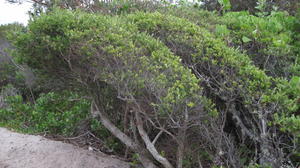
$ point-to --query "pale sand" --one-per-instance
(29, 151)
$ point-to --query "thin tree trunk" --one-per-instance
(180, 156)
(181, 140)
(146, 162)
(151, 148)
(267, 150)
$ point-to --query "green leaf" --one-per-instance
(225, 4)
(191, 104)
(295, 81)
(246, 39)
(222, 30)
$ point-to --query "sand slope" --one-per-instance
(28, 151)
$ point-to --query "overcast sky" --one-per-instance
(10, 13)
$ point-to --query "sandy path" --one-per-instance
(28, 151)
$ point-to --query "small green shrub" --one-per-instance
(289, 120)
(225, 4)
(53, 113)
(8, 71)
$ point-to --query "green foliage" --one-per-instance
(225, 69)
(101, 52)
(290, 124)
(296, 29)
(296, 44)
(274, 30)
(134, 161)
(9, 28)
(203, 48)
(77, 32)
(269, 40)
(261, 7)
(53, 113)
(271, 36)
(225, 4)
(289, 120)
(8, 71)
(179, 31)
(222, 31)
(164, 66)
(203, 18)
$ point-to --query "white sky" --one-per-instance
(10, 13)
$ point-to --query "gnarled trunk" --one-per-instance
(150, 146)
(144, 159)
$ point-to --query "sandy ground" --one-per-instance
(28, 151)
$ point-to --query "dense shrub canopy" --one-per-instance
(175, 89)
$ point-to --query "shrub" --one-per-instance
(288, 119)
(8, 72)
(268, 39)
(100, 53)
(203, 18)
(229, 77)
(53, 113)
(159, 79)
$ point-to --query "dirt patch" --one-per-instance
(19, 150)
